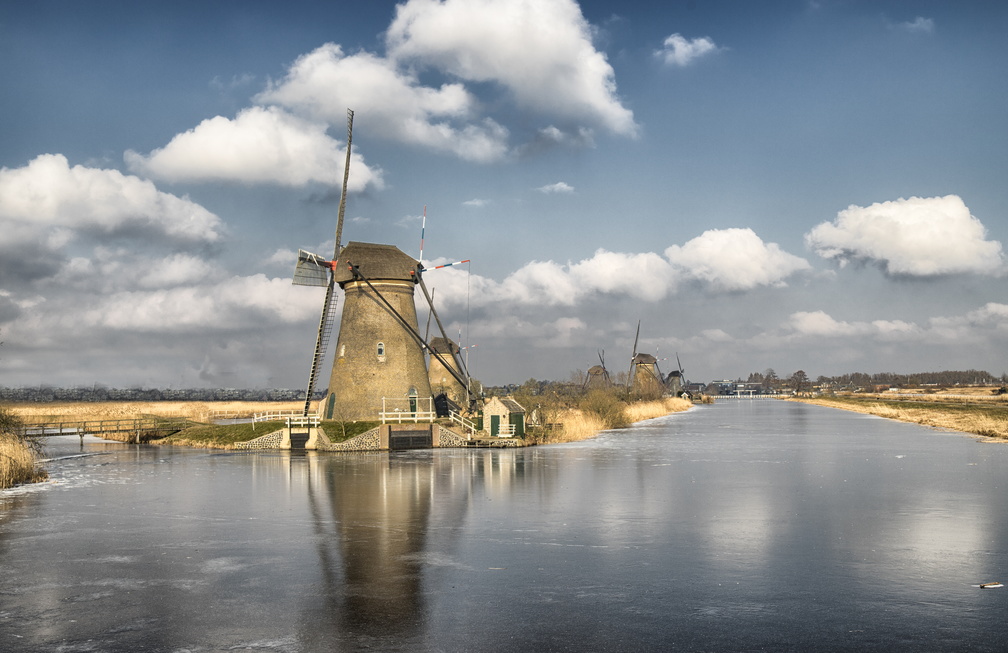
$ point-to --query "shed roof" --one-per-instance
(375, 262)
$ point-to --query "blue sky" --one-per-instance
(787, 185)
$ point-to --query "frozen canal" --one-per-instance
(742, 526)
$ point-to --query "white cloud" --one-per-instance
(735, 259)
(726, 260)
(921, 237)
(680, 51)
(990, 317)
(919, 25)
(558, 187)
(261, 145)
(47, 207)
(541, 52)
(322, 83)
(476, 203)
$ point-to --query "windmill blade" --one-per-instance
(309, 265)
(633, 358)
(321, 341)
(346, 178)
(446, 265)
(679, 364)
(311, 270)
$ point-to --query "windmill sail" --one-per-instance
(311, 270)
(308, 266)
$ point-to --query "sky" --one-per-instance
(815, 185)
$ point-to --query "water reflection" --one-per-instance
(382, 525)
(762, 526)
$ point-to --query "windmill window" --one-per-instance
(381, 348)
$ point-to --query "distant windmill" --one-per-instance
(644, 376)
(676, 380)
(598, 375)
(380, 352)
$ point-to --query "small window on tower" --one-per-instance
(381, 348)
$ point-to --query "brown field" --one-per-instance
(981, 414)
(198, 411)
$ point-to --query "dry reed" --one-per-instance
(579, 425)
(18, 463)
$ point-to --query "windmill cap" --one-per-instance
(375, 262)
(444, 346)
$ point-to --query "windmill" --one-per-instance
(380, 358)
(644, 376)
(598, 375)
(676, 381)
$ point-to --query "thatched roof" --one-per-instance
(444, 346)
(375, 263)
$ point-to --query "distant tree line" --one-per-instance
(45, 393)
(800, 382)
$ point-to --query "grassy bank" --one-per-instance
(986, 418)
(19, 456)
(223, 436)
(599, 412)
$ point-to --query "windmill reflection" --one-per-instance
(382, 523)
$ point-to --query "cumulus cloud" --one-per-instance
(980, 325)
(916, 237)
(322, 83)
(48, 206)
(677, 50)
(540, 52)
(558, 187)
(735, 259)
(724, 260)
(224, 304)
(260, 145)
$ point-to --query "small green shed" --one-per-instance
(503, 417)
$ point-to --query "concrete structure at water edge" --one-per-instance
(379, 364)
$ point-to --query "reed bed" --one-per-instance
(986, 420)
(582, 424)
(18, 463)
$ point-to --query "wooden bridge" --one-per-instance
(131, 429)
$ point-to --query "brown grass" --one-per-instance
(990, 420)
(580, 425)
(18, 463)
(199, 411)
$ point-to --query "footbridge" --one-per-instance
(131, 429)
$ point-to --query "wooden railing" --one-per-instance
(407, 409)
(462, 421)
